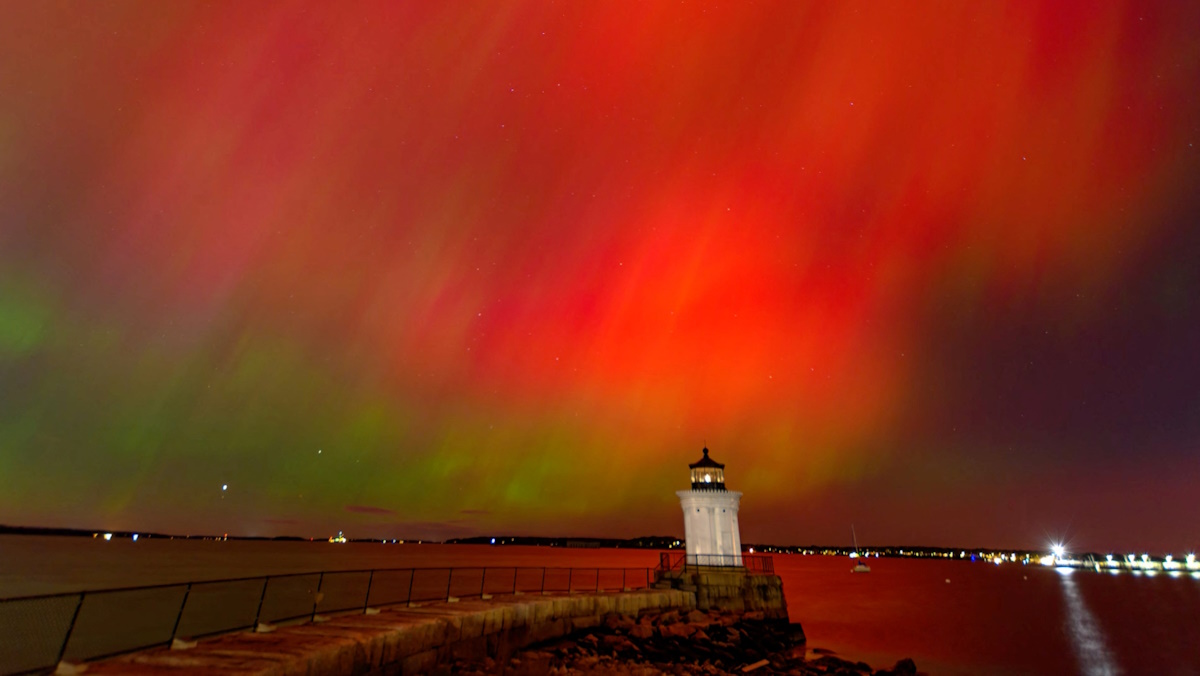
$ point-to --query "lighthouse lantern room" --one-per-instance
(707, 474)
(710, 519)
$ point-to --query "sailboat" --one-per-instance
(859, 566)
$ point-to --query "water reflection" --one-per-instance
(1086, 638)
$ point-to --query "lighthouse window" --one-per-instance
(707, 478)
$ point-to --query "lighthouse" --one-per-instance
(710, 520)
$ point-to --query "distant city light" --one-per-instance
(1058, 550)
(135, 537)
(224, 487)
(108, 536)
(493, 540)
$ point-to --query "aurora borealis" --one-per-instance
(437, 269)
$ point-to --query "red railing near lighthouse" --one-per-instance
(755, 564)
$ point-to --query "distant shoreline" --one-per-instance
(654, 542)
(91, 533)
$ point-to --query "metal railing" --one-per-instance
(753, 563)
(38, 632)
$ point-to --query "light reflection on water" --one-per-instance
(1087, 639)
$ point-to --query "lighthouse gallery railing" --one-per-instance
(762, 564)
(40, 631)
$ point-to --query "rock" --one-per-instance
(641, 631)
(697, 617)
(754, 616)
(621, 644)
(905, 667)
(700, 635)
(678, 630)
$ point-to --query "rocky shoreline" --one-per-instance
(696, 642)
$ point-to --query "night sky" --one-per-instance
(430, 269)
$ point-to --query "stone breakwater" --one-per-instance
(394, 641)
(733, 590)
(675, 642)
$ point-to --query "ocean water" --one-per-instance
(951, 617)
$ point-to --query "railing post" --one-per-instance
(412, 575)
(597, 580)
(175, 629)
(570, 579)
(367, 599)
(543, 589)
(624, 582)
(263, 597)
(62, 650)
(317, 596)
(482, 581)
(514, 591)
(449, 579)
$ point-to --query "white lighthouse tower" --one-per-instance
(710, 520)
